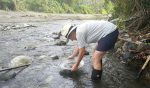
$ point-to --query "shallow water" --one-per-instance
(44, 72)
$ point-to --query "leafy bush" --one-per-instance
(108, 7)
(57, 6)
(20, 5)
(67, 8)
(7, 5)
(123, 8)
(85, 9)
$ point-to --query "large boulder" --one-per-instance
(20, 60)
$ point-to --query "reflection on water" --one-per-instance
(70, 74)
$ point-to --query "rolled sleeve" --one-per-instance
(81, 40)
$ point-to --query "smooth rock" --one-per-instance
(61, 43)
(54, 57)
(42, 56)
(30, 47)
(20, 60)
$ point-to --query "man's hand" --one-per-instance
(74, 67)
(80, 56)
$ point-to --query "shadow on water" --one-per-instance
(75, 77)
(80, 80)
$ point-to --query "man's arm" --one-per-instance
(80, 56)
(75, 53)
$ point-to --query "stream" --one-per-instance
(37, 42)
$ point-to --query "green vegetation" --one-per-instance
(7, 4)
(122, 9)
(135, 14)
(58, 6)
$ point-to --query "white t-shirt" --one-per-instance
(93, 31)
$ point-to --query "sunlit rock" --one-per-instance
(20, 60)
(30, 47)
(42, 56)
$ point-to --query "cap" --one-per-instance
(66, 30)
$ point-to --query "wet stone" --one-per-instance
(61, 43)
(127, 56)
(87, 53)
(56, 37)
(54, 57)
(7, 76)
(30, 47)
(127, 46)
(42, 56)
(13, 26)
(55, 33)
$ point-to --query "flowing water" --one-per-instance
(38, 43)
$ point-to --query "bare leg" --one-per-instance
(97, 65)
(93, 54)
(97, 59)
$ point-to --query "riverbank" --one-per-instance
(28, 16)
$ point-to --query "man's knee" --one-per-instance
(97, 56)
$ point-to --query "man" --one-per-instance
(102, 32)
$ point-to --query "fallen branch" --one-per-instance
(128, 40)
(143, 67)
(14, 67)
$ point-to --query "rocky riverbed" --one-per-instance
(36, 40)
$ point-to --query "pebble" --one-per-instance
(54, 57)
(87, 53)
(42, 56)
(30, 47)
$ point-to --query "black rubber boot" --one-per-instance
(96, 75)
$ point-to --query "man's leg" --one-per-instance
(103, 45)
(97, 65)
